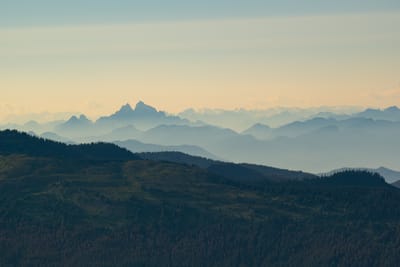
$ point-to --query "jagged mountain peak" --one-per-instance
(81, 118)
(142, 107)
(125, 109)
(73, 118)
(392, 109)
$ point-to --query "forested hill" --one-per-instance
(65, 211)
(250, 173)
(352, 178)
(14, 142)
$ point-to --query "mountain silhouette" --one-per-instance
(146, 110)
(78, 122)
(75, 126)
(141, 110)
(120, 134)
(390, 113)
(143, 116)
(259, 131)
(320, 142)
(125, 111)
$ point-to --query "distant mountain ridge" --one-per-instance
(390, 113)
(143, 116)
(318, 140)
(139, 147)
(259, 131)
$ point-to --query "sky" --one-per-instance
(93, 56)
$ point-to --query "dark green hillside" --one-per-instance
(73, 212)
(14, 142)
(354, 178)
(245, 173)
(141, 213)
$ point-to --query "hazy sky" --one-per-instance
(93, 56)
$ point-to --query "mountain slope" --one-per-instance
(247, 173)
(259, 131)
(14, 142)
(55, 137)
(139, 147)
(75, 126)
(72, 212)
(390, 175)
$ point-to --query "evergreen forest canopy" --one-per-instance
(100, 205)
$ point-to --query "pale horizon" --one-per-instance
(43, 116)
(226, 55)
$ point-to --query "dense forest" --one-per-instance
(89, 207)
(14, 142)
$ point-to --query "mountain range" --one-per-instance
(367, 138)
(142, 116)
